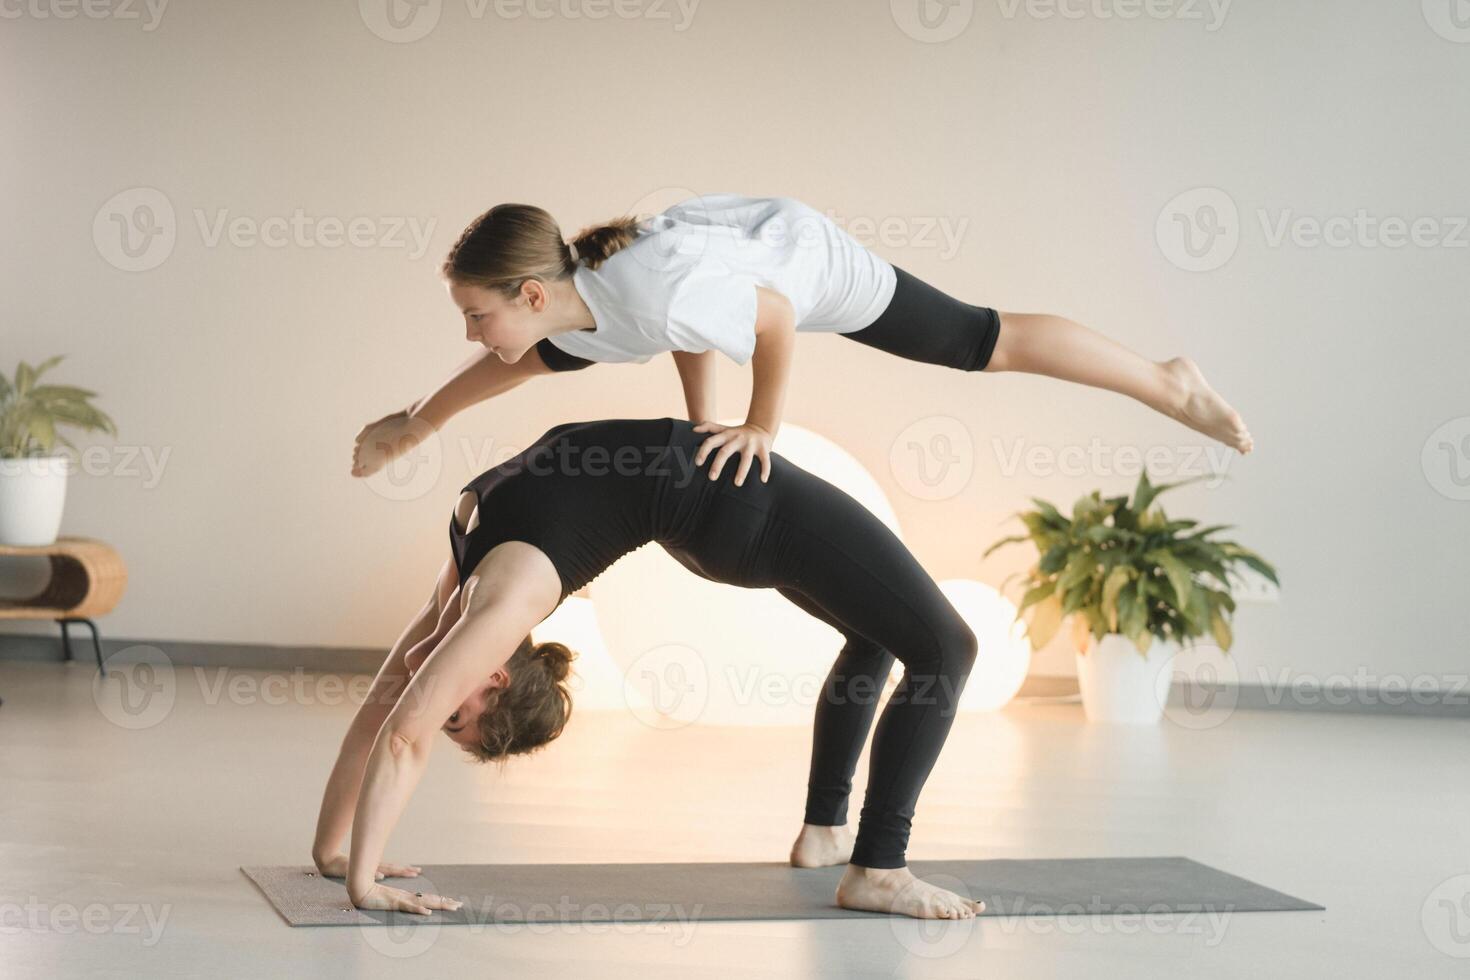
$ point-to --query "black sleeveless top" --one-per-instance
(585, 493)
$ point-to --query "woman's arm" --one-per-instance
(697, 372)
(340, 798)
(515, 588)
(775, 347)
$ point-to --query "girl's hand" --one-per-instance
(751, 441)
(389, 899)
(379, 443)
(336, 867)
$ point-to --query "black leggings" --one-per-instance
(925, 324)
(828, 554)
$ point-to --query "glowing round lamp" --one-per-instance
(595, 681)
(747, 656)
(1004, 654)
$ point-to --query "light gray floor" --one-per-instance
(119, 846)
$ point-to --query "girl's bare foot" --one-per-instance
(821, 847)
(897, 891)
(1201, 408)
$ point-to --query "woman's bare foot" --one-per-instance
(1201, 408)
(896, 890)
(821, 847)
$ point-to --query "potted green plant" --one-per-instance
(1127, 575)
(32, 472)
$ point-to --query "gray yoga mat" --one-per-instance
(693, 892)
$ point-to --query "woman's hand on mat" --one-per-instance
(379, 443)
(336, 867)
(751, 441)
(389, 899)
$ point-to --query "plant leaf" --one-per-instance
(1180, 577)
(1220, 629)
(1115, 581)
(1044, 622)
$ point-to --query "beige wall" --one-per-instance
(1050, 145)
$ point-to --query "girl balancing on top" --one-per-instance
(739, 276)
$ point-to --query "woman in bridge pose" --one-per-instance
(532, 530)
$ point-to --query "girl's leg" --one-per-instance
(923, 323)
(1039, 343)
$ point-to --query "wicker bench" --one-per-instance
(87, 579)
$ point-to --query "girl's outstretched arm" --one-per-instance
(340, 797)
(775, 348)
(483, 375)
(515, 588)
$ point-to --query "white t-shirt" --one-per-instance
(687, 282)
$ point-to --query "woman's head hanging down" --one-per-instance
(529, 532)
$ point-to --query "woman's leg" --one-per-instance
(923, 323)
(843, 718)
(827, 547)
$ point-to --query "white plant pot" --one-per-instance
(32, 495)
(1119, 684)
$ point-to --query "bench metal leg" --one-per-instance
(96, 640)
